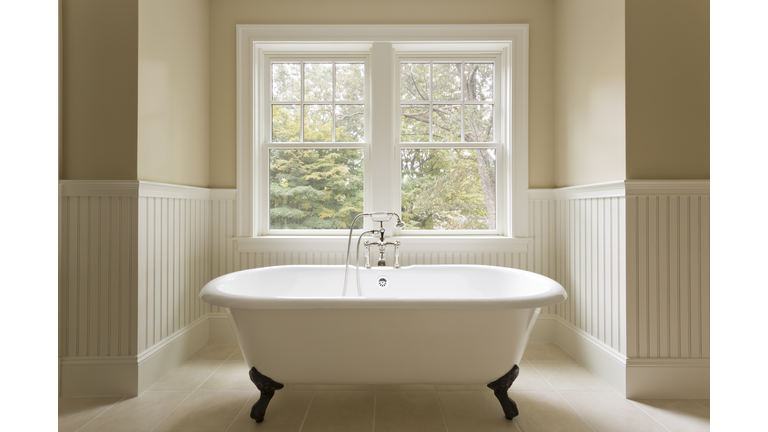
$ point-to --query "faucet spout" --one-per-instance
(380, 217)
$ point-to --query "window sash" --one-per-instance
(303, 58)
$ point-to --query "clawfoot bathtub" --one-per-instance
(446, 324)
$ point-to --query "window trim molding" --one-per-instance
(253, 37)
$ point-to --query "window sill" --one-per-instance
(408, 244)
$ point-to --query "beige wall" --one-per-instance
(667, 49)
(225, 14)
(98, 89)
(589, 92)
(173, 92)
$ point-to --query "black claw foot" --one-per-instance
(500, 388)
(267, 387)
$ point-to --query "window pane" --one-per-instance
(318, 122)
(448, 189)
(478, 123)
(414, 126)
(414, 81)
(447, 81)
(286, 82)
(318, 81)
(315, 188)
(286, 123)
(350, 82)
(478, 81)
(349, 123)
(447, 123)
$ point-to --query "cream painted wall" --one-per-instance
(98, 89)
(589, 92)
(173, 92)
(667, 46)
(225, 14)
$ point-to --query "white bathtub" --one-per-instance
(446, 324)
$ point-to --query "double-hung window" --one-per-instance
(426, 121)
(314, 142)
(450, 137)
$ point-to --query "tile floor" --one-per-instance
(211, 392)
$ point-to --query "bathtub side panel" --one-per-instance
(383, 346)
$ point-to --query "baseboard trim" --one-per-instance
(130, 375)
(667, 378)
(602, 360)
(633, 378)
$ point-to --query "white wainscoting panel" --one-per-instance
(668, 279)
(174, 241)
(591, 249)
(98, 275)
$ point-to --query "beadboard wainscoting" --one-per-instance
(668, 314)
(633, 257)
(133, 257)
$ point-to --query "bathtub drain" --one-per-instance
(382, 282)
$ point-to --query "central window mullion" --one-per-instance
(382, 161)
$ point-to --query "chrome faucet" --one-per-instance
(382, 245)
(379, 217)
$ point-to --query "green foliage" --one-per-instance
(315, 188)
(442, 189)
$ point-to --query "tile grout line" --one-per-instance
(192, 392)
(101, 414)
(643, 411)
(241, 410)
(561, 397)
(440, 405)
(306, 413)
(609, 386)
(559, 392)
(696, 402)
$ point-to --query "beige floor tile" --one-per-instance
(405, 387)
(609, 412)
(205, 411)
(333, 411)
(702, 402)
(530, 379)
(188, 376)
(232, 375)
(472, 411)
(679, 415)
(346, 387)
(76, 412)
(546, 352)
(570, 376)
(285, 413)
(299, 387)
(408, 411)
(462, 387)
(215, 351)
(238, 355)
(547, 412)
(140, 413)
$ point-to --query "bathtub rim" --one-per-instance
(210, 293)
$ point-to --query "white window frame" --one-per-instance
(382, 129)
(264, 139)
(499, 122)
